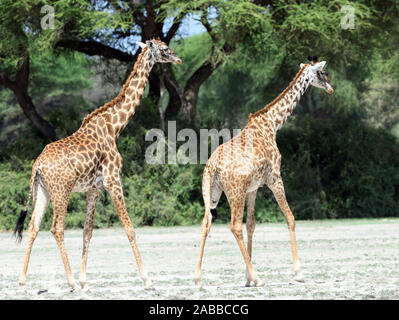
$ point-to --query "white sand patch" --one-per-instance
(353, 259)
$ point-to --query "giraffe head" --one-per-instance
(160, 51)
(318, 77)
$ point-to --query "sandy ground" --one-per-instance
(344, 259)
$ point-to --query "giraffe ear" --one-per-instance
(142, 45)
(318, 66)
(321, 64)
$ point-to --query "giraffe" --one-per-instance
(89, 161)
(250, 160)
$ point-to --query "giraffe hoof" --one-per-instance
(22, 289)
(148, 285)
(84, 288)
(197, 283)
(74, 287)
(299, 277)
(256, 283)
(260, 284)
(83, 283)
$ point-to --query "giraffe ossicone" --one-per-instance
(89, 161)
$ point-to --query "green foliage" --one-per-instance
(241, 82)
(228, 22)
(381, 97)
(162, 195)
(193, 51)
(339, 168)
(155, 195)
(57, 84)
(317, 25)
(66, 74)
(14, 189)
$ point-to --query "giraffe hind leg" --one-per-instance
(60, 204)
(211, 197)
(91, 199)
(237, 208)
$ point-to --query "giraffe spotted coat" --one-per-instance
(250, 160)
(89, 161)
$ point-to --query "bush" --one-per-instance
(156, 195)
(339, 168)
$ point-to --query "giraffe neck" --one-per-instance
(276, 113)
(119, 111)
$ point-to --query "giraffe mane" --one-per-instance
(279, 97)
(120, 95)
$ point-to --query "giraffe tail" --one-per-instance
(22, 215)
(207, 183)
(20, 226)
(214, 213)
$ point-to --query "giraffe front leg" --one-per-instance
(91, 199)
(250, 226)
(279, 193)
(115, 190)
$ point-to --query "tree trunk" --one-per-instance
(29, 109)
(20, 88)
(185, 102)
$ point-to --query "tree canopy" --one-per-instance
(109, 29)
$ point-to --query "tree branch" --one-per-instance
(20, 89)
(22, 77)
(93, 48)
(207, 26)
(176, 99)
(173, 29)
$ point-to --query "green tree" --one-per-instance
(109, 29)
(56, 86)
